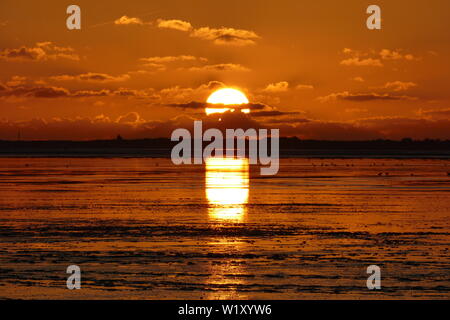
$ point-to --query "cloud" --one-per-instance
(49, 92)
(36, 92)
(90, 93)
(399, 85)
(304, 87)
(146, 94)
(359, 59)
(42, 51)
(168, 59)
(431, 123)
(219, 36)
(43, 91)
(160, 63)
(364, 59)
(387, 54)
(362, 97)
(189, 105)
(131, 117)
(222, 67)
(16, 81)
(278, 87)
(362, 62)
(171, 95)
(125, 20)
(92, 77)
(154, 67)
(436, 114)
(140, 94)
(226, 36)
(179, 25)
(358, 79)
(23, 53)
(180, 95)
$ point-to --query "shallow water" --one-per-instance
(144, 228)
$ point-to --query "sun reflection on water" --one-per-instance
(227, 188)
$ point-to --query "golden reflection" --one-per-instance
(227, 188)
(227, 277)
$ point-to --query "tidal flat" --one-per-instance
(142, 228)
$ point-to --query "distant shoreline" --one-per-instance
(289, 147)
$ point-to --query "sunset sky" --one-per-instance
(143, 68)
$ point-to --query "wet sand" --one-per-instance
(146, 229)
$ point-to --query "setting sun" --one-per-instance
(226, 96)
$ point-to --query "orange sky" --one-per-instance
(312, 67)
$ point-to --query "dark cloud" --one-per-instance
(362, 97)
(30, 91)
(49, 92)
(203, 105)
(90, 93)
(189, 105)
(369, 97)
(92, 77)
(23, 53)
(40, 52)
(226, 36)
(36, 92)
